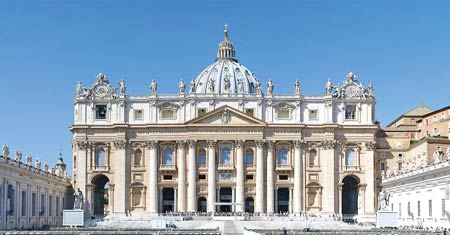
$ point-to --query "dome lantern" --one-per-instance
(226, 50)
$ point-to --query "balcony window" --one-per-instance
(138, 157)
(225, 158)
(168, 157)
(138, 114)
(100, 112)
(168, 114)
(249, 157)
(282, 157)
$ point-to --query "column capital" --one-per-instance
(239, 143)
(340, 186)
(211, 143)
(120, 144)
(111, 187)
(82, 145)
(259, 143)
(192, 144)
(362, 187)
(298, 143)
(330, 144)
(152, 144)
(370, 145)
(181, 144)
(270, 144)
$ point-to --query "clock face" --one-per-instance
(101, 90)
(351, 91)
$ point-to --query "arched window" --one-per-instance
(100, 157)
(137, 157)
(282, 157)
(168, 156)
(249, 157)
(225, 158)
(313, 157)
(350, 158)
(201, 157)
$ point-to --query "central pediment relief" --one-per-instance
(224, 116)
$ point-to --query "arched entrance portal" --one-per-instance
(101, 194)
(225, 196)
(350, 195)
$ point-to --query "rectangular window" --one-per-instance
(167, 177)
(430, 208)
(283, 114)
(283, 177)
(249, 177)
(418, 208)
(201, 112)
(350, 112)
(202, 177)
(249, 112)
(400, 165)
(50, 205)
(33, 204)
(24, 203)
(167, 114)
(426, 121)
(100, 111)
(313, 115)
(443, 207)
(382, 166)
(138, 114)
(400, 209)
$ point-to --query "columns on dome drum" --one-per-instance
(211, 176)
(239, 176)
(192, 178)
(153, 181)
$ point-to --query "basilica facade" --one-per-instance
(226, 143)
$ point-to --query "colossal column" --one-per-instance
(192, 182)
(328, 160)
(181, 177)
(239, 176)
(270, 169)
(211, 176)
(120, 176)
(297, 178)
(259, 201)
(153, 181)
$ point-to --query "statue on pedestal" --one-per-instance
(270, 86)
(192, 86)
(79, 89)
(38, 164)
(329, 87)
(78, 199)
(18, 155)
(258, 87)
(239, 85)
(383, 200)
(297, 87)
(153, 87)
(5, 151)
(123, 87)
(182, 86)
(29, 160)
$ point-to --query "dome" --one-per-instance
(225, 75)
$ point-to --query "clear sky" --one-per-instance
(46, 47)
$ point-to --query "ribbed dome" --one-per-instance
(225, 75)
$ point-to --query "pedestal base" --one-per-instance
(387, 219)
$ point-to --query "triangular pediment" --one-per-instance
(224, 116)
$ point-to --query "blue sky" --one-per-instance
(403, 47)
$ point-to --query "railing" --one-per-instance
(351, 168)
(101, 168)
(167, 167)
(284, 167)
(227, 166)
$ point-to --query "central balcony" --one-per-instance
(226, 167)
(283, 167)
(167, 167)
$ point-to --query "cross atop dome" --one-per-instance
(226, 49)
